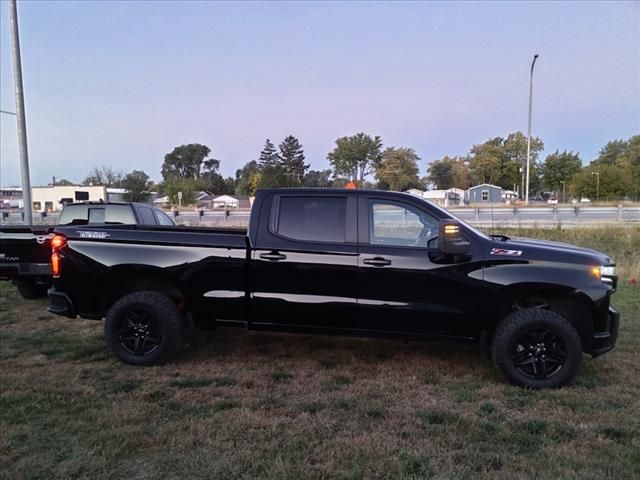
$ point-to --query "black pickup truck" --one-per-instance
(356, 262)
(25, 250)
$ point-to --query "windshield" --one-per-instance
(448, 214)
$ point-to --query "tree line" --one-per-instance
(362, 159)
(501, 161)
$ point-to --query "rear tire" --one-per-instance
(31, 291)
(537, 348)
(144, 328)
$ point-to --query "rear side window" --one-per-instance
(119, 214)
(318, 219)
(146, 216)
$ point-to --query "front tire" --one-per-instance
(537, 348)
(144, 328)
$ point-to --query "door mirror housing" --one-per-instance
(450, 239)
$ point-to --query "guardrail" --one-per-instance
(553, 215)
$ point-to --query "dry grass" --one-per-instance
(253, 405)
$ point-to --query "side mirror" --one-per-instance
(450, 240)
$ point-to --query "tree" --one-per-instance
(502, 161)
(275, 176)
(104, 175)
(630, 161)
(186, 161)
(559, 167)
(188, 186)
(247, 179)
(399, 169)
(268, 155)
(356, 156)
(613, 182)
(137, 185)
(292, 158)
(485, 161)
(449, 172)
(211, 180)
(611, 152)
(63, 182)
(317, 178)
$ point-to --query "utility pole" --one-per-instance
(564, 190)
(20, 113)
(535, 57)
(597, 174)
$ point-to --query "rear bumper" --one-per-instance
(605, 340)
(61, 304)
(16, 270)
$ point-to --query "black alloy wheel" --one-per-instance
(537, 348)
(139, 332)
(144, 328)
(539, 353)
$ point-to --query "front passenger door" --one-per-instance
(400, 288)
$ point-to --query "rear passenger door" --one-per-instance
(305, 262)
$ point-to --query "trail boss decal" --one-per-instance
(98, 235)
(506, 252)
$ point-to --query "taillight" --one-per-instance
(57, 242)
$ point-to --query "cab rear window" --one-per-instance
(97, 214)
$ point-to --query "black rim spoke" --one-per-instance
(138, 331)
(539, 353)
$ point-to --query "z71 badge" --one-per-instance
(90, 234)
(506, 252)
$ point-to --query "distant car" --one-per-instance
(585, 200)
(552, 201)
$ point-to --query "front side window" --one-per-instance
(317, 219)
(485, 195)
(392, 224)
(163, 218)
(146, 216)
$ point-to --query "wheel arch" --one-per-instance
(573, 305)
(124, 279)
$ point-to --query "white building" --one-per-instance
(231, 201)
(451, 197)
(51, 199)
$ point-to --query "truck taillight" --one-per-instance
(57, 242)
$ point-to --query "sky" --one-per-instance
(122, 83)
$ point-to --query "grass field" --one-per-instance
(248, 405)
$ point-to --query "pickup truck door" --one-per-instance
(403, 287)
(304, 264)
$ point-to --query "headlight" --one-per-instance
(608, 271)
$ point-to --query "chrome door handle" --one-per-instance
(377, 261)
(273, 256)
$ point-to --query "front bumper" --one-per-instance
(60, 304)
(605, 340)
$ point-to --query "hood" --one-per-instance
(546, 250)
